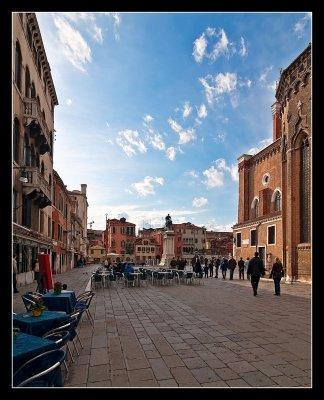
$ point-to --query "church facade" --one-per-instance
(274, 210)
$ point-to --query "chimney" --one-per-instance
(276, 121)
(83, 188)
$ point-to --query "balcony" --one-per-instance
(37, 188)
(36, 123)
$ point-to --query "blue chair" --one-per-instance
(129, 279)
(60, 338)
(43, 370)
(83, 303)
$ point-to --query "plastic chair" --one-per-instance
(199, 278)
(160, 278)
(97, 280)
(169, 277)
(143, 278)
(43, 370)
(189, 278)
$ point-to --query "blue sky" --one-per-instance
(155, 108)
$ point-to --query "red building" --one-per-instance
(119, 236)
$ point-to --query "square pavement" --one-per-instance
(212, 335)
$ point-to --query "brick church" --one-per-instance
(274, 210)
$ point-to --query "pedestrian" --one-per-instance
(14, 273)
(224, 266)
(211, 268)
(37, 276)
(241, 268)
(217, 263)
(173, 263)
(256, 270)
(277, 273)
(198, 268)
(206, 269)
(232, 265)
(246, 266)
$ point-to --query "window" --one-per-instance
(277, 201)
(33, 91)
(113, 229)
(152, 249)
(102, 251)
(18, 66)
(26, 212)
(305, 191)
(138, 249)
(255, 208)
(16, 139)
(27, 151)
(27, 83)
(238, 239)
(41, 222)
(253, 237)
(92, 251)
(271, 234)
(42, 168)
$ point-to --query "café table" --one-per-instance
(38, 326)
(25, 347)
(65, 301)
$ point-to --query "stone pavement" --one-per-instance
(212, 335)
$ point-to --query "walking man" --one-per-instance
(246, 266)
(277, 273)
(224, 266)
(14, 273)
(211, 268)
(217, 263)
(241, 268)
(255, 270)
(232, 266)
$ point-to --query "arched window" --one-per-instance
(277, 201)
(32, 91)
(16, 140)
(255, 208)
(305, 191)
(33, 156)
(42, 168)
(18, 66)
(27, 83)
(27, 151)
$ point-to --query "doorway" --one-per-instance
(262, 254)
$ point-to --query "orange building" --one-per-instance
(119, 236)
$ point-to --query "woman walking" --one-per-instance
(277, 273)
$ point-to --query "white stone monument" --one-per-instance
(168, 244)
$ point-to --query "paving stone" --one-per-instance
(241, 366)
(98, 357)
(98, 373)
(257, 379)
(160, 369)
(285, 381)
(266, 369)
(140, 375)
(226, 373)
(237, 383)
(173, 361)
(205, 374)
(168, 383)
(77, 375)
(99, 384)
(184, 377)
(290, 370)
(119, 378)
(194, 362)
(215, 384)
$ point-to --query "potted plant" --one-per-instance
(57, 288)
(38, 308)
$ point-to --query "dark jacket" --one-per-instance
(224, 264)
(277, 271)
(198, 266)
(256, 267)
(217, 263)
(232, 263)
(241, 264)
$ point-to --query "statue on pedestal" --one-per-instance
(168, 223)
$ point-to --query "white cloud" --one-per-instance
(186, 109)
(74, 47)
(185, 136)
(272, 86)
(243, 50)
(222, 47)
(199, 201)
(214, 225)
(220, 137)
(200, 46)
(130, 142)
(146, 187)
(220, 84)
(264, 75)
(68, 102)
(148, 118)
(265, 82)
(214, 177)
(300, 25)
(261, 145)
(202, 111)
(157, 141)
(97, 34)
(107, 125)
(171, 153)
(192, 173)
(215, 174)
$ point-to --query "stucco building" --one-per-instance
(119, 236)
(33, 102)
(274, 210)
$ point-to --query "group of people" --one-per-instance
(254, 268)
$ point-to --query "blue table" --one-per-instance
(26, 347)
(60, 302)
(38, 326)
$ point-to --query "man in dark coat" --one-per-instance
(224, 266)
(211, 268)
(241, 268)
(217, 263)
(232, 266)
(198, 269)
(277, 273)
(255, 270)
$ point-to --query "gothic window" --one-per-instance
(255, 208)
(305, 191)
(18, 66)
(42, 168)
(33, 91)
(27, 83)
(27, 151)
(16, 139)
